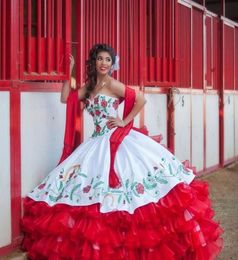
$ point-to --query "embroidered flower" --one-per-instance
(108, 126)
(97, 112)
(96, 100)
(98, 129)
(87, 103)
(104, 103)
(41, 186)
(86, 189)
(140, 188)
(115, 104)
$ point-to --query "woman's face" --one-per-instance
(103, 63)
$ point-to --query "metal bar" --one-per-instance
(68, 36)
(4, 35)
(49, 36)
(29, 61)
(1, 64)
(39, 57)
(58, 34)
(22, 55)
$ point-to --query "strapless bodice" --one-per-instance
(100, 108)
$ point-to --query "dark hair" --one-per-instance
(91, 73)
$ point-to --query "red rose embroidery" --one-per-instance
(108, 126)
(87, 103)
(41, 186)
(97, 112)
(98, 128)
(96, 100)
(115, 104)
(86, 189)
(140, 188)
(91, 113)
(104, 103)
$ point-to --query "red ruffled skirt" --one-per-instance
(179, 226)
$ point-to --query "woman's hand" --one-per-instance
(72, 62)
(115, 122)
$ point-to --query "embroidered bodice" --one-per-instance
(100, 107)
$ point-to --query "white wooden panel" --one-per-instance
(42, 132)
(229, 127)
(88, 121)
(236, 124)
(5, 199)
(197, 132)
(182, 126)
(156, 115)
(212, 130)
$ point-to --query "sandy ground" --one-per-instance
(224, 195)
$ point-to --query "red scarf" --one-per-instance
(119, 134)
(70, 133)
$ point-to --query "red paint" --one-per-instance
(15, 161)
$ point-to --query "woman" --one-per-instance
(119, 195)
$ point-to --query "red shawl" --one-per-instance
(70, 141)
(119, 134)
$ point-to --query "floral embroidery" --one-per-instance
(100, 108)
(86, 189)
(76, 186)
(140, 188)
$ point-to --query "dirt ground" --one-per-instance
(224, 196)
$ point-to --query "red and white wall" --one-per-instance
(189, 77)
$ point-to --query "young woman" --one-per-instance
(118, 195)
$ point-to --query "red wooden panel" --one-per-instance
(45, 52)
(197, 49)
(229, 52)
(236, 58)
(208, 74)
(216, 50)
(39, 54)
(184, 32)
(3, 39)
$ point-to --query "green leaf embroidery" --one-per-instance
(97, 184)
(119, 198)
(52, 198)
(82, 174)
(127, 183)
(73, 190)
(61, 186)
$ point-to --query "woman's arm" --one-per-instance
(66, 84)
(118, 89)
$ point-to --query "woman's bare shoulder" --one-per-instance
(117, 87)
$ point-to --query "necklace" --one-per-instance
(101, 83)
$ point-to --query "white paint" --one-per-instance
(182, 126)
(229, 127)
(212, 130)
(197, 132)
(156, 115)
(236, 124)
(42, 132)
(5, 200)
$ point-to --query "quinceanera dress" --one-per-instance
(157, 212)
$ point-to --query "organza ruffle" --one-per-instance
(179, 226)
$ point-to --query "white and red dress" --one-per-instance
(157, 212)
